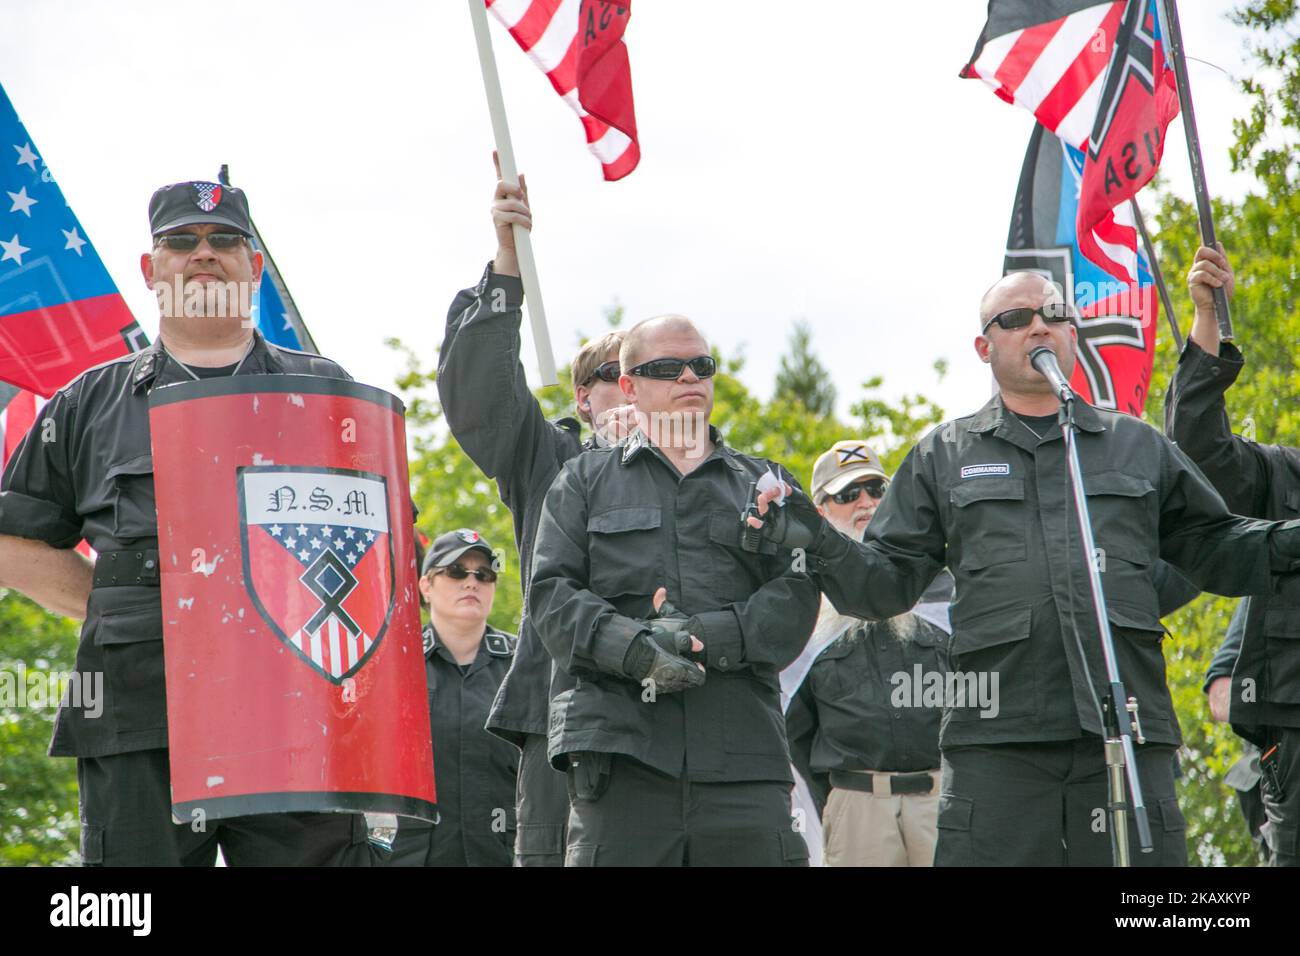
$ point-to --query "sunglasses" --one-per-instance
(458, 572)
(1022, 317)
(669, 369)
(188, 241)
(875, 487)
(607, 372)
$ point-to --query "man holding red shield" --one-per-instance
(85, 471)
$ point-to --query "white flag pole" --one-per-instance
(506, 154)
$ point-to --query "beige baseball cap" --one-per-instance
(847, 461)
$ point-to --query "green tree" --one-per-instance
(801, 377)
(38, 794)
(1261, 236)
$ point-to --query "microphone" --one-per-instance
(1044, 361)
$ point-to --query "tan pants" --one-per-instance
(862, 829)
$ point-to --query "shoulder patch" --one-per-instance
(498, 644)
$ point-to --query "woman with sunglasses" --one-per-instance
(465, 662)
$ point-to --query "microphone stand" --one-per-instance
(1119, 711)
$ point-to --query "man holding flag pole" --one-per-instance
(1262, 481)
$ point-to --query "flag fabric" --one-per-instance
(17, 412)
(1095, 74)
(579, 45)
(274, 312)
(1138, 101)
(1117, 314)
(60, 311)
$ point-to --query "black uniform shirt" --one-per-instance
(474, 771)
(1262, 481)
(618, 524)
(863, 704)
(498, 423)
(85, 470)
(988, 499)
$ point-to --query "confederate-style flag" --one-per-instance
(579, 45)
(1094, 74)
(60, 311)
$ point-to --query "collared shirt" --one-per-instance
(474, 771)
(85, 470)
(496, 420)
(619, 523)
(1258, 480)
(991, 500)
(869, 701)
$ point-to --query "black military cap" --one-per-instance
(190, 204)
(446, 548)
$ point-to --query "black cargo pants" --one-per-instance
(625, 814)
(1044, 804)
(126, 820)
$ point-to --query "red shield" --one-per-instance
(295, 672)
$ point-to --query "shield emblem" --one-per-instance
(318, 561)
(207, 196)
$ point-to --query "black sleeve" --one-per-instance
(772, 625)
(37, 494)
(1218, 551)
(1197, 419)
(1225, 658)
(483, 390)
(1173, 590)
(904, 548)
(801, 730)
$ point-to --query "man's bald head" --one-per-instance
(640, 339)
(1016, 290)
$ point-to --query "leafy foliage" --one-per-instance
(801, 377)
(1262, 237)
(38, 794)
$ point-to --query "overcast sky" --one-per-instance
(828, 166)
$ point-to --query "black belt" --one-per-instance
(884, 784)
(127, 568)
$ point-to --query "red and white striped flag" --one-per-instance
(579, 45)
(1094, 73)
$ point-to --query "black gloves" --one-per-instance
(795, 524)
(664, 653)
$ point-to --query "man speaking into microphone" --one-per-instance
(1024, 782)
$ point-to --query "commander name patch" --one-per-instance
(980, 471)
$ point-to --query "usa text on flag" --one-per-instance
(579, 45)
(1117, 315)
(1094, 74)
(60, 312)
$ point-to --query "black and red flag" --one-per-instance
(1116, 315)
(1096, 75)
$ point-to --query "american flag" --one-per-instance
(578, 45)
(1094, 74)
(60, 311)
